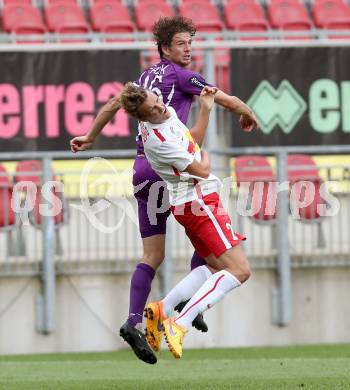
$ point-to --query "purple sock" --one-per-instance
(140, 288)
(197, 261)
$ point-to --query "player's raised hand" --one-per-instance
(78, 144)
(207, 96)
(248, 122)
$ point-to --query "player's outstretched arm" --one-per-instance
(200, 168)
(206, 100)
(247, 118)
(106, 113)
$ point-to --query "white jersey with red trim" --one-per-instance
(170, 148)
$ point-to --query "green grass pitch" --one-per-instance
(298, 367)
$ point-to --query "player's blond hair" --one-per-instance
(131, 99)
(165, 29)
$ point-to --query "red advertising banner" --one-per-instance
(46, 98)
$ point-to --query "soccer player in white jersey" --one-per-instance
(172, 79)
(195, 203)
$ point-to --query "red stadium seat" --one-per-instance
(9, 220)
(203, 13)
(7, 216)
(245, 16)
(51, 2)
(289, 15)
(66, 18)
(8, 2)
(332, 15)
(149, 11)
(222, 69)
(196, 1)
(23, 19)
(322, 2)
(30, 171)
(149, 58)
(305, 179)
(306, 169)
(258, 173)
(111, 17)
(305, 197)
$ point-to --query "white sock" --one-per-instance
(186, 288)
(211, 292)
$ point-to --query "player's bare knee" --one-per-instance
(245, 273)
(242, 274)
(240, 269)
(238, 264)
(154, 258)
(244, 270)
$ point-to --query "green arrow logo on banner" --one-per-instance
(283, 107)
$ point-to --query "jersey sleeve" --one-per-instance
(191, 82)
(172, 153)
(138, 82)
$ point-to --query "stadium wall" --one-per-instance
(90, 309)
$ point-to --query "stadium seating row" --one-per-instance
(249, 169)
(256, 171)
(112, 16)
(27, 171)
(303, 176)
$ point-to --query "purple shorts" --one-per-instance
(152, 198)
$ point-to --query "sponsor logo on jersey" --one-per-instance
(144, 132)
(191, 148)
(196, 82)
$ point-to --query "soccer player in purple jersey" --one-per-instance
(171, 79)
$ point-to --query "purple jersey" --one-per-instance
(175, 84)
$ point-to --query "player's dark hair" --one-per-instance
(165, 29)
(131, 99)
